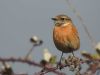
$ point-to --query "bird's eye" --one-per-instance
(62, 18)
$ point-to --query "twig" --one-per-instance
(92, 40)
(29, 62)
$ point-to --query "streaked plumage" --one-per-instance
(65, 35)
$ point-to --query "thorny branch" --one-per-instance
(29, 62)
(93, 66)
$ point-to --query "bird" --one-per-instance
(65, 35)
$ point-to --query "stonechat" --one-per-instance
(65, 35)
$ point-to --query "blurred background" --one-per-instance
(21, 19)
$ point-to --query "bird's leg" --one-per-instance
(59, 63)
(73, 54)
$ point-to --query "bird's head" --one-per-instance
(61, 20)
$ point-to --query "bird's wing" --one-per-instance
(73, 38)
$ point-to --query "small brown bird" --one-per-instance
(65, 35)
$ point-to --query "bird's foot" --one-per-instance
(59, 65)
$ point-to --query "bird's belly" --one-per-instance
(61, 44)
(62, 47)
(65, 42)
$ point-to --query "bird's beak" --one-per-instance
(54, 19)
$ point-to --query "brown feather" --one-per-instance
(66, 38)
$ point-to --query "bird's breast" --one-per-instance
(65, 39)
(60, 33)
